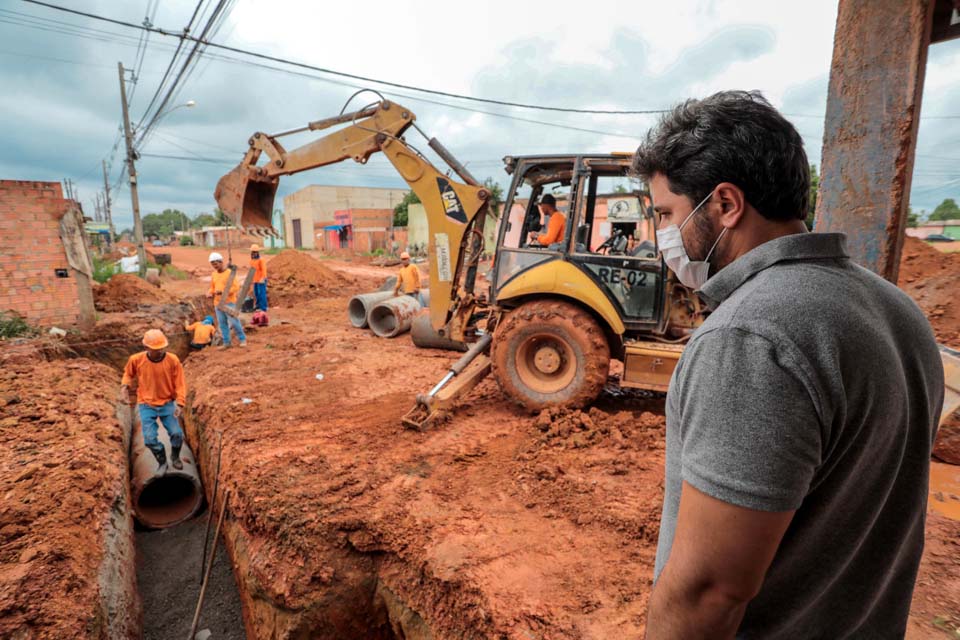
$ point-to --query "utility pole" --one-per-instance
(96, 207)
(106, 197)
(132, 171)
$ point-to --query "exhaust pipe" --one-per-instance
(390, 318)
(161, 501)
(426, 337)
(360, 305)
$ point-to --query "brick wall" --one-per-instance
(31, 250)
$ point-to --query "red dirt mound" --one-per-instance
(294, 274)
(125, 292)
(932, 278)
(66, 558)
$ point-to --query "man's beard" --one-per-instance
(705, 237)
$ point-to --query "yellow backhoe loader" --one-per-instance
(552, 317)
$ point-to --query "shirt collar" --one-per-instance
(798, 246)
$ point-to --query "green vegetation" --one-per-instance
(13, 325)
(496, 197)
(814, 185)
(103, 269)
(400, 212)
(173, 273)
(946, 210)
(186, 241)
(271, 251)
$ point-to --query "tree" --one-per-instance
(946, 210)
(620, 188)
(164, 224)
(496, 196)
(203, 220)
(913, 218)
(814, 186)
(400, 212)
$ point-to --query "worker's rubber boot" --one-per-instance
(161, 456)
(175, 458)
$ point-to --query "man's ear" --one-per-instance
(733, 204)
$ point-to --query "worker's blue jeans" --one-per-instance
(226, 323)
(149, 415)
(260, 294)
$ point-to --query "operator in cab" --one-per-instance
(556, 225)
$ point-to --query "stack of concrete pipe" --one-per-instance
(163, 499)
(385, 314)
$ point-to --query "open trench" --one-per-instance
(168, 554)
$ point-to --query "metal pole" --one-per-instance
(206, 577)
(132, 171)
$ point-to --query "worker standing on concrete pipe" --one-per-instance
(408, 279)
(801, 416)
(259, 265)
(218, 282)
(161, 394)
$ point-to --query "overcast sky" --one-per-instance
(61, 106)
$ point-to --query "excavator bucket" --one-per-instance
(248, 199)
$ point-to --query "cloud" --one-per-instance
(66, 99)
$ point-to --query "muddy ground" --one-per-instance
(496, 523)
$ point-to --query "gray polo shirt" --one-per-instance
(814, 386)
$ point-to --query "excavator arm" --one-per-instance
(455, 210)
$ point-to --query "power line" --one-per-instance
(173, 60)
(352, 76)
(389, 83)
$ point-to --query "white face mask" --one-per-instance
(691, 273)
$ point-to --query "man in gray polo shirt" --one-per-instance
(801, 416)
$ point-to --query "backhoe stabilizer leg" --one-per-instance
(464, 375)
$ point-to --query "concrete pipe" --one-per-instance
(161, 501)
(359, 306)
(390, 318)
(426, 337)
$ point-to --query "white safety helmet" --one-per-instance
(214, 257)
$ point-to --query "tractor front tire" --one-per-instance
(549, 353)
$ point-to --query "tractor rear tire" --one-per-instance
(549, 353)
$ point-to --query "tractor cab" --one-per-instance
(606, 258)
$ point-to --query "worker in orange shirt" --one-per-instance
(259, 265)
(555, 227)
(218, 282)
(161, 394)
(408, 279)
(202, 333)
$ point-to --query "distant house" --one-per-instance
(221, 237)
(950, 228)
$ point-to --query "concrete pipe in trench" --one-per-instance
(390, 318)
(161, 501)
(360, 305)
(426, 337)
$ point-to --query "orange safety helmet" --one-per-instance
(154, 339)
(404, 256)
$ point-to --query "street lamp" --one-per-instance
(188, 104)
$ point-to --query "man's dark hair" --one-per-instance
(548, 199)
(731, 136)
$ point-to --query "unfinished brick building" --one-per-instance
(45, 273)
